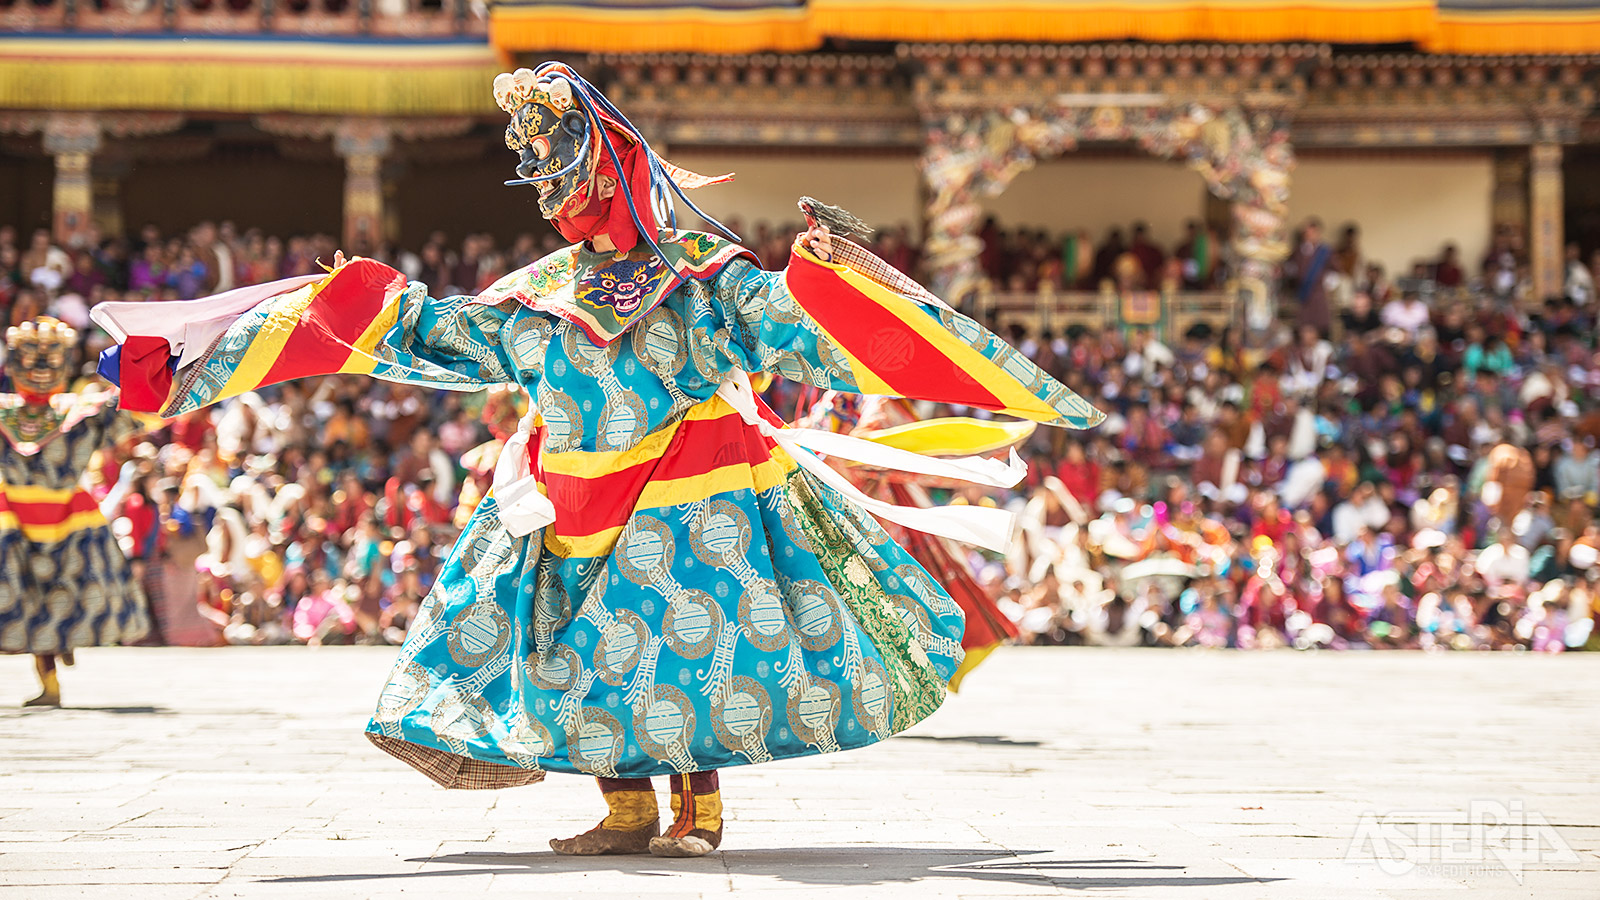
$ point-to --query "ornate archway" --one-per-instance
(991, 113)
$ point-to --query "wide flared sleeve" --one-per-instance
(360, 318)
(854, 323)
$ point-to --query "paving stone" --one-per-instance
(142, 858)
(130, 875)
(241, 773)
(106, 892)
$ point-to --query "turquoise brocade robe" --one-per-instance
(699, 601)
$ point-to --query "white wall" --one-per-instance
(1092, 193)
(883, 191)
(1407, 207)
(1096, 194)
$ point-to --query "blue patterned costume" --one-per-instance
(668, 581)
(699, 601)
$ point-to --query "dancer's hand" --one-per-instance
(338, 258)
(820, 240)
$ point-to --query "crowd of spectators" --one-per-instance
(1415, 467)
(1028, 259)
(316, 511)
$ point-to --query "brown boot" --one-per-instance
(45, 665)
(634, 820)
(696, 817)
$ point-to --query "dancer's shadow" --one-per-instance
(112, 710)
(982, 740)
(835, 866)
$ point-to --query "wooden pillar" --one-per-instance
(960, 160)
(363, 143)
(110, 169)
(72, 138)
(1260, 241)
(1509, 202)
(1259, 247)
(392, 173)
(1546, 243)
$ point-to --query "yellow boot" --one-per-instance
(634, 819)
(696, 817)
(45, 664)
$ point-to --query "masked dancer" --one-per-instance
(663, 579)
(64, 582)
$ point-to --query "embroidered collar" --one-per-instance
(603, 294)
(28, 428)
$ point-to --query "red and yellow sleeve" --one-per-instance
(900, 340)
(360, 318)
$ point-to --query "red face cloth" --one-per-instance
(610, 216)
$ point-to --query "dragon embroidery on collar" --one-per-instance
(604, 295)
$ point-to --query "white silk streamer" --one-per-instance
(982, 526)
(523, 507)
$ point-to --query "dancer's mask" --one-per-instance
(553, 140)
(37, 358)
(594, 171)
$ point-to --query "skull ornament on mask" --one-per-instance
(37, 362)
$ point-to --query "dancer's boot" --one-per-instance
(633, 819)
(45, 665)
(696, 817)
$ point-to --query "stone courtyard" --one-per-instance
(242, 773)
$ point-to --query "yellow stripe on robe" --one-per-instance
(33, 493)
(672, 492)
(361, 361)
(599, 463)
(49, 534)
(953, 436)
